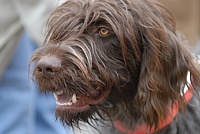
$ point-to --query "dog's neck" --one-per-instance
(142, 128)
(138, 125)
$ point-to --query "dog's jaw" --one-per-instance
(78, 102)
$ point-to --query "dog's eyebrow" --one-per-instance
(101, 22)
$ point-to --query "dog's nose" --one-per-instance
(48, 65)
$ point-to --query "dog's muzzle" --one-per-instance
(65, 71)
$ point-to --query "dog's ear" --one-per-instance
(164, 65)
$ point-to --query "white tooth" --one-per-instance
(58, 103)
(60, 92)
(74, 99)
(64, 104)
(69, 103)
(55, 96)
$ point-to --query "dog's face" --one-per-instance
(103, 55)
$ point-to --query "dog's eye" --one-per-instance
(103, 31)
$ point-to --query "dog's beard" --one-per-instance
(72, 117)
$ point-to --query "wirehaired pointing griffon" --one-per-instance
(122, 62)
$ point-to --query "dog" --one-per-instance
(122, 62)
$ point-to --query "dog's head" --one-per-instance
(122, 57)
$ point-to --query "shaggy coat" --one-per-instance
(120, 61)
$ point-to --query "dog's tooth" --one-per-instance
(55, 96)
(74, 99)
(58, 103)
(60, 92)
(64, 104)
(69, 103)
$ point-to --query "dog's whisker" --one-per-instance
(107, 104)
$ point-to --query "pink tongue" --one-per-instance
(64, 98)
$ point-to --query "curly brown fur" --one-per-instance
(133, 73)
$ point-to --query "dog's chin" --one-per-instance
(72, 116)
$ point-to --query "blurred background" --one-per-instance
(187, 13)
(23, 109)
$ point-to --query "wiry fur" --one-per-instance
(142, 63)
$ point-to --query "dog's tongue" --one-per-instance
(61, 97)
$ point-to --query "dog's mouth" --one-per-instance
(65, 101)
(78, 102)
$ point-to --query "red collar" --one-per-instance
(144, 129)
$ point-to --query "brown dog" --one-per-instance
(121, 60)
